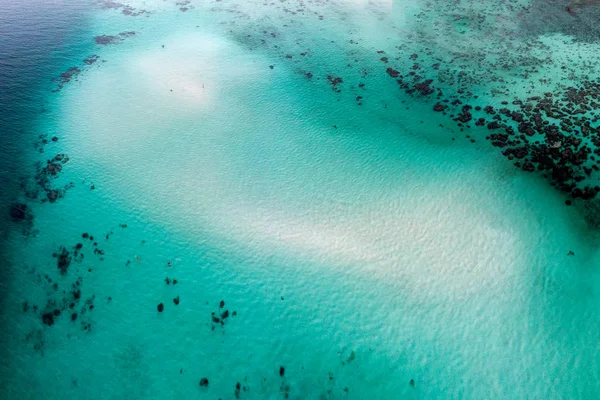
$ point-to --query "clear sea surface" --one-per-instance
(248, 199)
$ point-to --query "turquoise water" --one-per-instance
(366, 245)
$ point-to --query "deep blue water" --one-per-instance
(37, 39)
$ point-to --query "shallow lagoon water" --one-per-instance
(361, 247)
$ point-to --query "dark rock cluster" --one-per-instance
(556, 134)
(69, 303)
(43, 140)
(89, 60)
(107, 39)
(73, 73)
(218, 318)
(66, 301)
(238, 389)
(552, 132)
(67, 76)
(127, 34)
(113, 39)
(285, 389)
(125, 9)
(21, 212)
(335, 81)
(168, 281)
(63, 260)
(575, 18)
(58, 303)
(45, 173)
(64, 257)
(351, 357)
(184, 5)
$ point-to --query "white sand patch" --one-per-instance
(186, 158)
(134, 99)
(434, 237)
(191, 69)
(167, 74)
(441, 246)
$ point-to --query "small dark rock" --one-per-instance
(529, 167)
(19, 212)
(439, 107)
(52, 195)
(392, 72)
(106, 39)
(493, 125)
(64, 260)
(48, 318)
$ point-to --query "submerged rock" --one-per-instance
(20, 212)
(439, 107)
(48, 318)
(91, 59)
(107, 39)
(392, 72)
(64, 260)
